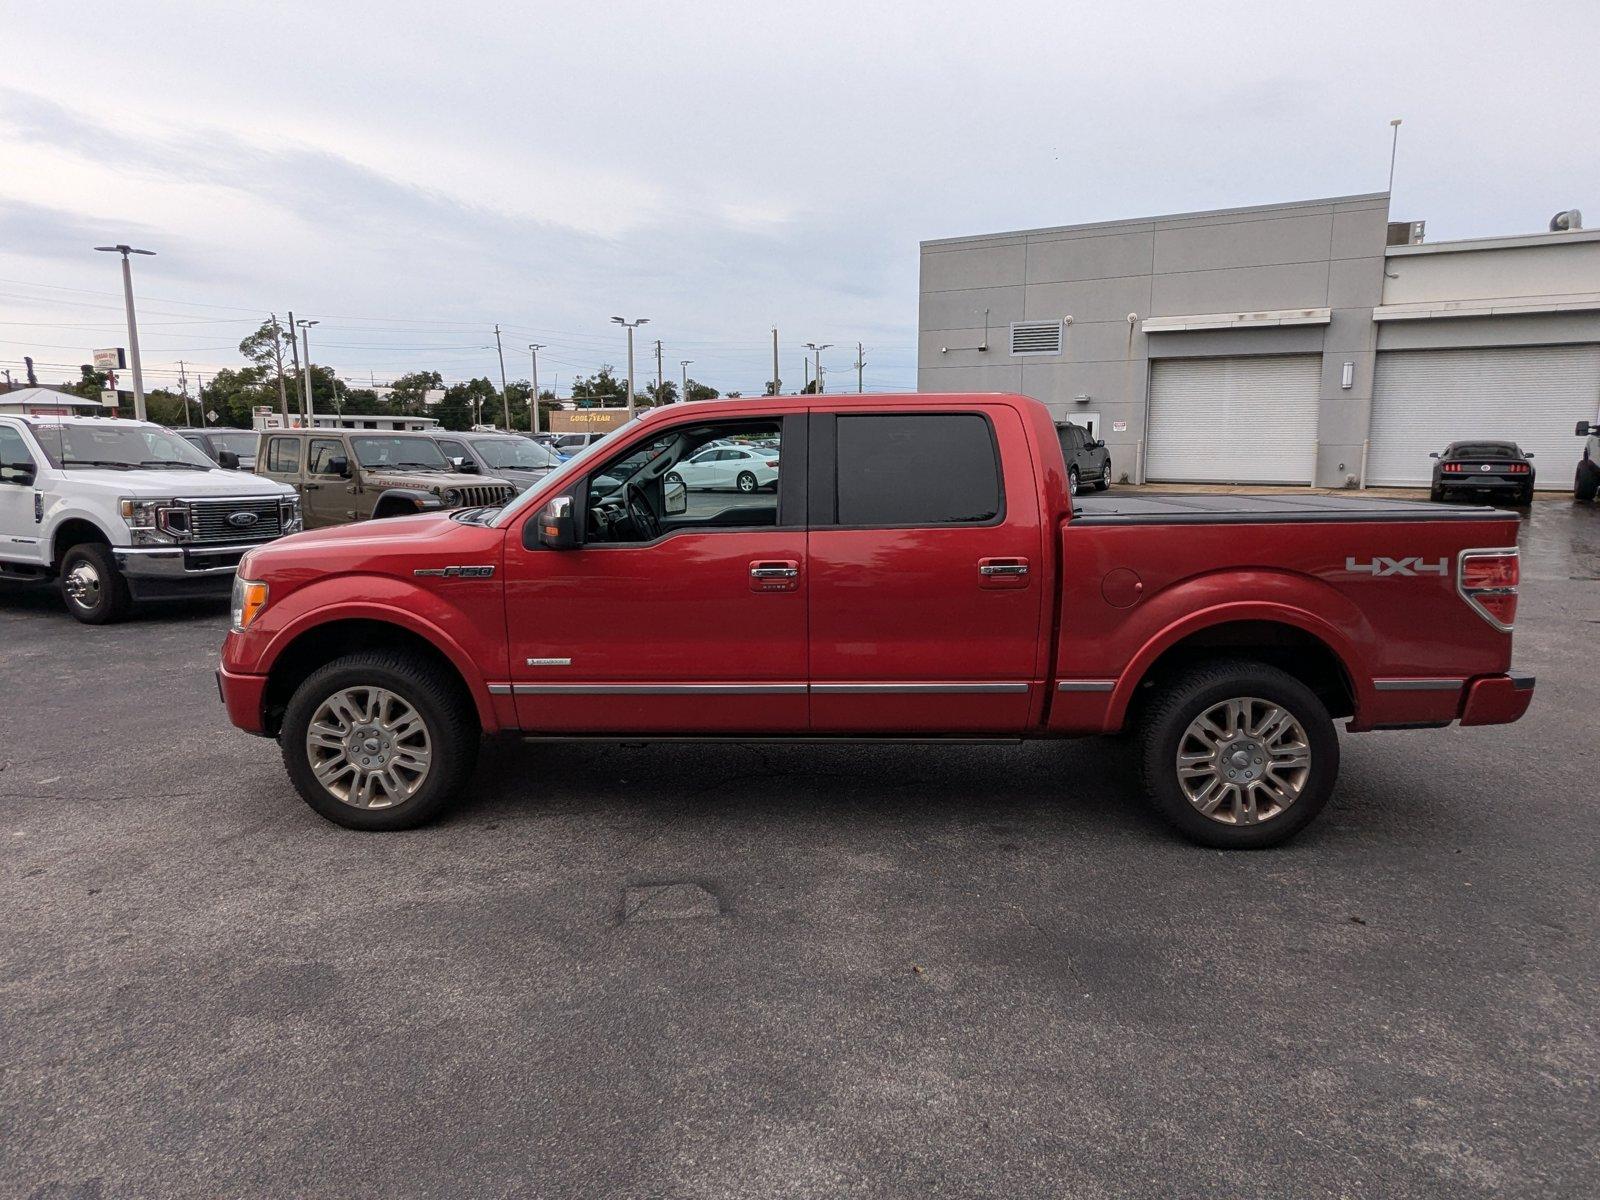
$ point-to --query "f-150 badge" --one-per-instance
(1398, 566)
(456, 572)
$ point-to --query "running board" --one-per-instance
(770, 739)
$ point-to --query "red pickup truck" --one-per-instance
(918, 570)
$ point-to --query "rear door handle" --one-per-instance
(309, 487)
(1003, 573)
(774, 575)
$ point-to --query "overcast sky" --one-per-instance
(411, 174)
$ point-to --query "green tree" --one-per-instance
(700, 391)
(91, 385)
(467, 403)
(234, 392)
(267, 348)
(667, 393)
(409, 390)
(600, 390)
(773, 388)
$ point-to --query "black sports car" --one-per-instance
(1501, 468)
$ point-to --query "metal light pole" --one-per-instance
(311, 400)
(684, 363)
(817, 350)
(630, 326)
(776, 382)
(533, 403)
(1394, 147)
(133, 326)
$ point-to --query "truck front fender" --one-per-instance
(404, 502)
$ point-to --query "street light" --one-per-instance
(817, 351)
(630, 326)
(533, 400)
(684, 363)
(133, 327)
(311, 405)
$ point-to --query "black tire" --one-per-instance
(1526, 496)
(1104, 481)
(1586, 482)
(747, 482)
(1072, 481)
(1436, 493)
(1165, 728)
(92, 587)
(449, 721)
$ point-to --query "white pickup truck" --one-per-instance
(122, 511)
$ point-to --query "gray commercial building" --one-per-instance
(1312, 342)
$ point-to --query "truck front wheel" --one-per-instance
(379, 740)
(1238, 755)
(94, 590)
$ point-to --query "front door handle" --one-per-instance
(309, 487)
(774, 575)
(1003, 573)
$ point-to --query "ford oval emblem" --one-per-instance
(242, 520)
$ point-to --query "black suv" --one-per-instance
(1088, 460)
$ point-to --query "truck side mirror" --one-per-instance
(339, 466)
(21, 474)
(675, 498)
(557, 530)
(227, 460)
(1584, 429)
(1527, 454)
(1433, 454)
(464, 465)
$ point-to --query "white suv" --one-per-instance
(126, 510)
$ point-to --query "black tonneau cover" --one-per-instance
(1245, 508)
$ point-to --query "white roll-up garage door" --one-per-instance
(1233, 420)
(1532, 395)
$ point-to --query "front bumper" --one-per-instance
(242, 696)
(174, 572)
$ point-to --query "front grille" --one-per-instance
(483, 495)
(211, 524)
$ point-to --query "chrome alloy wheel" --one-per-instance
(1243, 761)
(369, 747)
(82, 585)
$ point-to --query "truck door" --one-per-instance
(928, 572)
(324, 495)
(19, 532)
(689, 621)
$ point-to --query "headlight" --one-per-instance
(452, 497)
(289, 519)
(141, 514)
(155, 521)
(249, 598)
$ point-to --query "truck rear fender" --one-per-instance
(1189, 611)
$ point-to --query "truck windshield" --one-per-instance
(515, 453)
(399, 453)
(125, 447)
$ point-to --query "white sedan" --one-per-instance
(730, 468)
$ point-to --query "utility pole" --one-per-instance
(861, 361)
(630, 326)
(294, 348)
(133, 325)
(776, 382)
(533, 404)
(684, 363)
(505, 394)
(277, 358)
(659, 381)
(311, 397)
(817, 350)
(805, 368)
(183, 386)
(200, 397)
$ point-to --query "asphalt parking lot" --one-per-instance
(720, 971)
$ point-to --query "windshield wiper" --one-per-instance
(157, 463)
(111, 464)
(416, 466)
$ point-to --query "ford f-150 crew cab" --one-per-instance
(121, 511)
(920, 572)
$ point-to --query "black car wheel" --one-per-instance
(94, 590)
(747, 481)
(1436, 493)
(1104, 481)
(1586, 483)
(1072, 481)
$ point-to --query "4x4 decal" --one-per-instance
(1398, 566)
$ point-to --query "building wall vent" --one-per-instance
(1036, 337)
(1406, 233)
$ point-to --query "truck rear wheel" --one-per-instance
(1586, 482)
(379, 740)
(91, 585)
(1238, 755)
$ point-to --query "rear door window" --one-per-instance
(917, 469)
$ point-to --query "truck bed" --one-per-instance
(1202, 508)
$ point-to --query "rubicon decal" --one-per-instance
(1381, 567)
